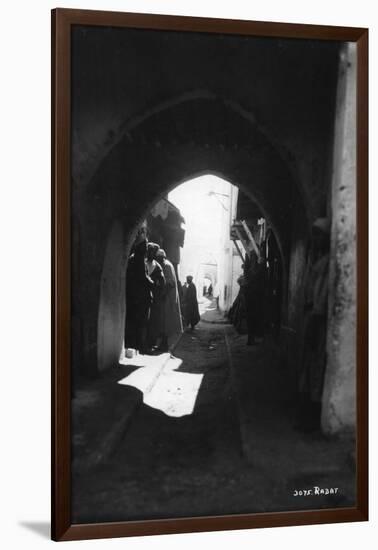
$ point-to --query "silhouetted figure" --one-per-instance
(191, 311)
(155, 272)
(170, 311)
(210, 290)
(237, 312)
(254, 296)
(138, 297)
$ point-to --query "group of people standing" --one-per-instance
(155, 299)
(152, 300)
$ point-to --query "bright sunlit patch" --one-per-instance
(203, 304)
(144, 378)
(205, 204)
(174, 393)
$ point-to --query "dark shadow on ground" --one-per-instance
(236, 453)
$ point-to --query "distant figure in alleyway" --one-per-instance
(191, 311)
(155, 272)
(210, 290)
(254, 296)
(170, 311)
(138, 296)
(311, 375)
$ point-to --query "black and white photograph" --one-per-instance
(188, 279)
(213, 274)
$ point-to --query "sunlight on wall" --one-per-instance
(203, 211)
(208, 204)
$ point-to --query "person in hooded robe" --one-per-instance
(237, 312)
(254, 273)
(155, 272)
(312, 368)
(138, 296)
(191, 311)
(170, 311)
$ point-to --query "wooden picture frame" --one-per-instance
(62, 22)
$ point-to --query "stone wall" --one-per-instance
(339, 397)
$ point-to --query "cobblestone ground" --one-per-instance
(193, 465)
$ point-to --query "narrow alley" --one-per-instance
(236, 452)
(214, 283)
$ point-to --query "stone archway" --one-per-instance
(186, 139)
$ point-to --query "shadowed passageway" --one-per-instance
(219, 427)
(229, 456)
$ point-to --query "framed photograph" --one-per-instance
(209, 197)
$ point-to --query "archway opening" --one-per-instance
(231, 146)
(204, 257)
(265, 125)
